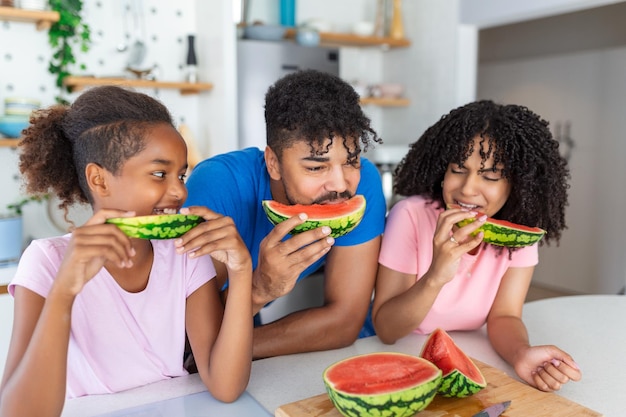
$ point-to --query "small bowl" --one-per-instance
(363, 28)
(265, 32)
(20, 106)
(12, 126)
(391, 90)
(308, 37)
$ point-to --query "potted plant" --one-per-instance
(69, 32)
(11, 230)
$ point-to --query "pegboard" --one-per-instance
(24, 55)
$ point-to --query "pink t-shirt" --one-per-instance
(121, 340)
(464, 302)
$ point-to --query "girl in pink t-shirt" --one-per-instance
(97, 311)
(497, 160)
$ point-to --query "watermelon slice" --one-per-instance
(461, 377)
(342, 218)
(381, 384)
(504, 233)
(157, 226)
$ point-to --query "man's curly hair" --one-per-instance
(313, 106)
(517, 138)
(105, 125)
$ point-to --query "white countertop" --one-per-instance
(588, 327)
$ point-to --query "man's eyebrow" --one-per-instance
(315, 158)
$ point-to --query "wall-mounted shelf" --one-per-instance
(8, 143)
(42, 19)
(348, 39)
(385, 101)
(78, 83)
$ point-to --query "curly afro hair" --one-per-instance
(105, 125)
(315, 106)
(517, 138)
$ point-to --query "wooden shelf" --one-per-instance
(43, 19)
(385, 101)
(78, 83)
(349, 39)
(8, 143)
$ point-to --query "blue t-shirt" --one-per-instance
(234, 184)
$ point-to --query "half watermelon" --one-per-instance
(461, 377)
(382, 384)
(342, 217)
(504, 233)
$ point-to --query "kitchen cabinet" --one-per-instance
(78, 83)
(42, 19)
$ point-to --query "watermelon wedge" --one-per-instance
(461, 377)
(157, 226)
(342, 218)
(381, 384)
(504, 233)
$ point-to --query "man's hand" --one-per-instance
(281, 262)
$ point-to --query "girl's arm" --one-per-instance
(221, 336)
(35, 375)
(400, 302)
(544, 367)
(34, 380)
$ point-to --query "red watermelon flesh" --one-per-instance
(379, 373)
(461, 377)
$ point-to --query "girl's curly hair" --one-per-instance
(313, 106)
(105, 125)
(518, 138)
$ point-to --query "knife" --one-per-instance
(493, 410)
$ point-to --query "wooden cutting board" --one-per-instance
(525, 401)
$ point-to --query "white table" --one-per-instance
(588, 327)
(591, 328)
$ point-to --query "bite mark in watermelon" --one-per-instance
(461, 377)
(381, 384)
(504, 233)
(157, 226)
(342, 217)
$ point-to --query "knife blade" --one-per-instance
(493, 410)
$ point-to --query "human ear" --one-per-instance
(96, 179)
(272, 163)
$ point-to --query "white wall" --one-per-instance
(587, 88)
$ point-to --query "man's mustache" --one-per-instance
(330, 197)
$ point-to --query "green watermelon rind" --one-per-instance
(501, 235)
(339, 226)
(457, 385)
(158, 226)
(403, 403)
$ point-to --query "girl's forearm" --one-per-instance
(38, 382)
(402, 314)
(231, 355)
(508, 336)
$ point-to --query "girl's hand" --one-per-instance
(451, 242)
(546, 367)
(217, 237)
(91, 247)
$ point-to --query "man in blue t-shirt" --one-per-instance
(316, 131)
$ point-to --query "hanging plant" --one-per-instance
(65, 35)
